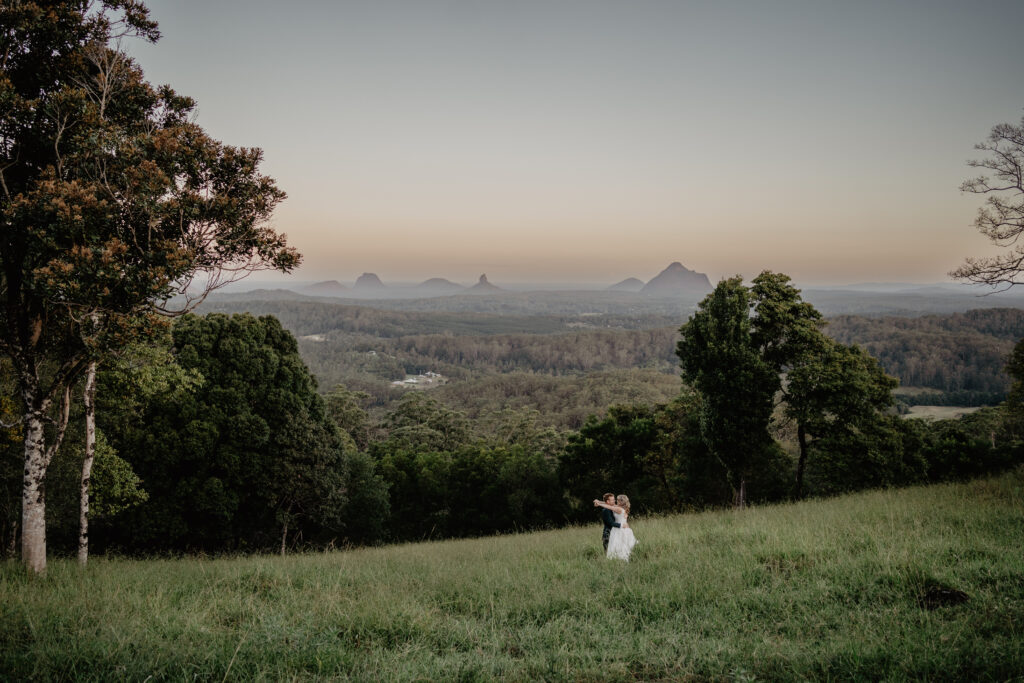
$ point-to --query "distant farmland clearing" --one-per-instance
(940, 412)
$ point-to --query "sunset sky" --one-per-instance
(590, 141)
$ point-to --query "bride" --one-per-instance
(621, 540)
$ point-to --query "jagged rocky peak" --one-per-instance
(677, 278)
(483, 285)
(369, 281)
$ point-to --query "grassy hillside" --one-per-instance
(845, 589)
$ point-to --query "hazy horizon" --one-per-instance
(591, 141)
(295, 282)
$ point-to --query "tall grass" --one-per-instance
(860, 587)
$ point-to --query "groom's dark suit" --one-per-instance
(609, 521)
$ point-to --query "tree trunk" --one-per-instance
(798, 489)
(742, 502)
(33, 496)
(89, 399)
(284, 535)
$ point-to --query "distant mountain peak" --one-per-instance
(484, 286)
(439, 285)
(325, 288)
(677, 278)
(369, 281)
(630, 284)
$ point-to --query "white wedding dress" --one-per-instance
(621, 541)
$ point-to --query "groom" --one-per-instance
(608, 518)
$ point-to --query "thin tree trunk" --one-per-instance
(284, 535)
(89, 399)
(798, 489)
(743, 493)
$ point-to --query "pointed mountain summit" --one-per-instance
(326, 288)
(369, 281)
(675, 279)
(630, 284)
(483, 287)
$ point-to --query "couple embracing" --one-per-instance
(618, 538)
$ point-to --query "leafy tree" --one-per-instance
(346, 409)
(419, 492)
(884, 452)
(116, 489)
(112, 200)
(736, 383)
(689, 476)
(250, 457)
(608, 455)
(833, 391)
(522, 427)
(368, 507)
(474, 490)
(1001, 219)
(421, 423)
(655, 454)
(969, 446)
(784, 327)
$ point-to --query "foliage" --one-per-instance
(607, 455)
(563, 403)
(877, 455)
(113, 200)
(1014, 407)
(979, 443)
(655, 455)
(837, 395)
(248, 452)
(721, 359)
(420, 423)
(346, 409)
(471, 491)
(116, 488)
(368, 507)
(962, 355)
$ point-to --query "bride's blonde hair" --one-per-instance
(623, 502)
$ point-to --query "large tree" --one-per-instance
(1001, 218)
(835, 392)
(737, 385)
(112, 201)
(251, 459)
(734, 351)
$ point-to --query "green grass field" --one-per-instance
(855, 588)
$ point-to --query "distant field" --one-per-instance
(940, 412)
(921, 583)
